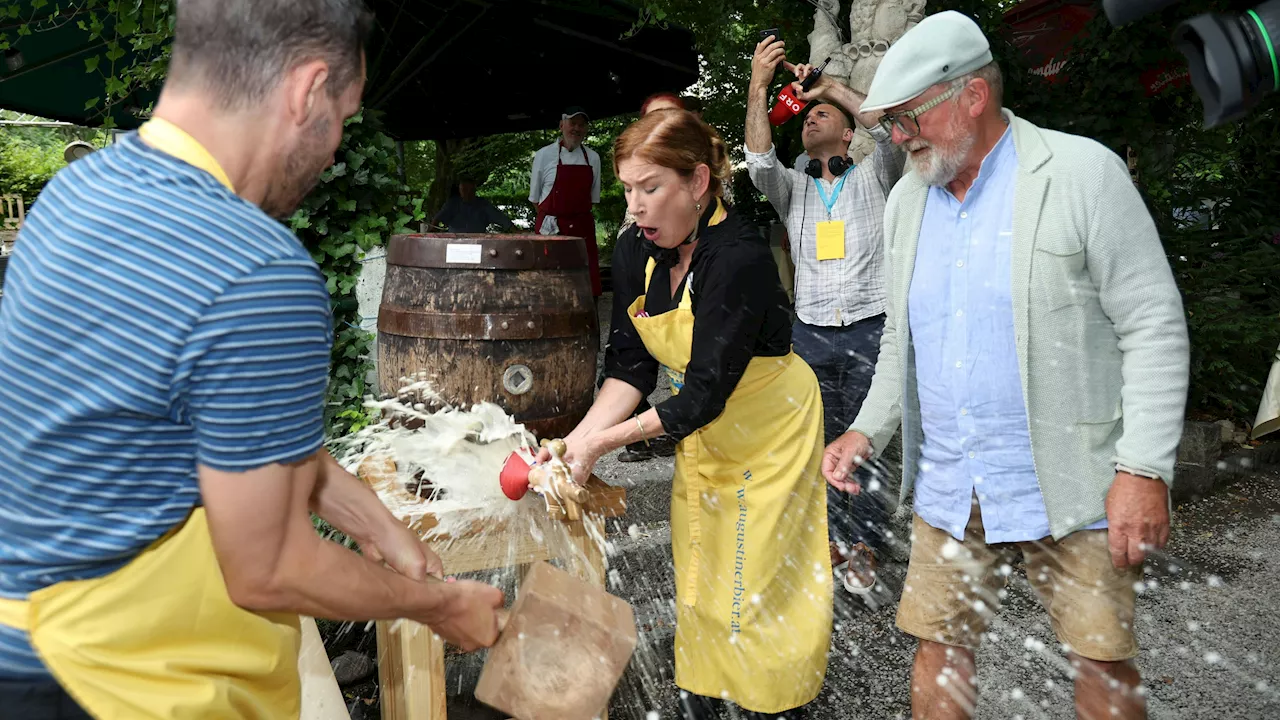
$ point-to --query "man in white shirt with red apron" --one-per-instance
(565, 183)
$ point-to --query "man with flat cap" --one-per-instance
(565, 183)
(1035, 355)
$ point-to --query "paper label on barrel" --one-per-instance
(468, 254)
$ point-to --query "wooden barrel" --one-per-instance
(507, 319)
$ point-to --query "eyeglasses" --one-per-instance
(906, 120)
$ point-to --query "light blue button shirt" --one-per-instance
(974, 417)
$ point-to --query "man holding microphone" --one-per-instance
(834, 214)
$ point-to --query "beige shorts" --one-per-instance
(953, 589)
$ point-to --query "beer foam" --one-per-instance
(446, 459)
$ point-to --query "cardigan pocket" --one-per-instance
(1100, 437)
(1058, 273)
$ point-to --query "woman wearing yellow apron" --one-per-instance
(696, 291)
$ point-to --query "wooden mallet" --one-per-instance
(562, 650)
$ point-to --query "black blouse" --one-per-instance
(740, 311)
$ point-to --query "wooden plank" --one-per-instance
(411, 659)
(588, 536)
(321, 697)
(496, 550)
(410, 672)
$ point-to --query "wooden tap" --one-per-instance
(554, 481)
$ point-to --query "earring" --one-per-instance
(697, 207)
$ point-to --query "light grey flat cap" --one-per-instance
(942, 47)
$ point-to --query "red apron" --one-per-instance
(570, 204)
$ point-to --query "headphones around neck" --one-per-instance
(838, 165)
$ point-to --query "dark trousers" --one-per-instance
(700, 707)
(38, 700)
(844, 359)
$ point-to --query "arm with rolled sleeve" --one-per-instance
(727, 323)
(535, 178)
(771, 178)
(886, 161)
(1136, 288)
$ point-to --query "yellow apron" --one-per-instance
(160, 638)
(748, 530)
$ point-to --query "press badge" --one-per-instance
(831, 240)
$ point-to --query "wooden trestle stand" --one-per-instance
(411, 658)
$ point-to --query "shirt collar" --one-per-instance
(173, 140)
(995, 163)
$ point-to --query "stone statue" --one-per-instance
(873, 26)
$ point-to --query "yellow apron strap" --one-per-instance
(719, 215)
(173, 140)
(15, 614)
(648, 273)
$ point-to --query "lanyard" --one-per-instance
(835, 192)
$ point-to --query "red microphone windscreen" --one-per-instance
(787, 106)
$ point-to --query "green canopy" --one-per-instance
(44, 73)
(437, 69)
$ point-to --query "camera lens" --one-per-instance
(1232, 59)
(1211, 65)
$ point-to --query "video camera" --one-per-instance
(1232, 58)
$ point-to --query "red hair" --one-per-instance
(677, 140)
(644, 106)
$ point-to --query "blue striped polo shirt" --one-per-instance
(152, 321)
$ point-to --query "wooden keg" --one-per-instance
(507, 319)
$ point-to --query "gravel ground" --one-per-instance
(1208, 622)
(1208, 618)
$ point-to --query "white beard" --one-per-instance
(940, 164)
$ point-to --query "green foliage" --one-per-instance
(30, 156)
(131, 39)
(1228, 286)
(24, 168)
(359, 203)
(27, 162)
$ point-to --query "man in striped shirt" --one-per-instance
(165, 344)
(834, 214)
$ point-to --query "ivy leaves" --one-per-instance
(359, 203)
(129, 42)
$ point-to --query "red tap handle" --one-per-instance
(514, 477)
